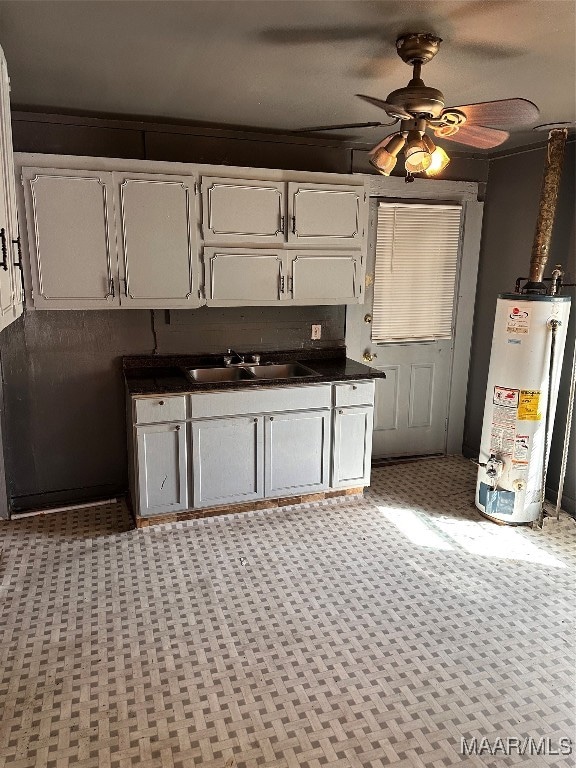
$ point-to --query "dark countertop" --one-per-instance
(165, 374)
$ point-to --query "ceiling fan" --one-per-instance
(418, 107)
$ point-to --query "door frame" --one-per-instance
(464, 193)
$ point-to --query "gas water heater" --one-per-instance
(524, 375)
(523, 379)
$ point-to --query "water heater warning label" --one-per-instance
(521, 449)
(506, 397)
(518, 321)
(529, 405)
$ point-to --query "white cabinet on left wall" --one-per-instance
(11, 295)
(108, 239)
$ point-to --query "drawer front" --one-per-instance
(238, 402)
(354, 393)
(148, 410)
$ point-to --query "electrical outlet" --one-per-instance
(316, 332)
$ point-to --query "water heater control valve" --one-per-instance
(494, 468)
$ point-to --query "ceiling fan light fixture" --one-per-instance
(439, 161)
(385, 155)
(418, 156)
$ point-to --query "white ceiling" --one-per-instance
(284, 64)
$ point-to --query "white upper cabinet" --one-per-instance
(157, 240)
(240, 277)
(325, 278)
(11, 295)
(107, 233)
(237, 211)
(71, 238)
(326, 215)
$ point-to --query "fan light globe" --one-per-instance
(439, 161)
(384, 156)
(418, 155)
(418, 159)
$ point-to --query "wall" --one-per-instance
(510, 214)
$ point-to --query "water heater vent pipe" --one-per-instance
(547, 210)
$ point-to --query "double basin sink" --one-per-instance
(250, 372)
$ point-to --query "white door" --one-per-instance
(11, 297)
(157, 224)
(326, 214)
(325, 278)
(71, 238)
(162, 468)
(239, 277)
(228, 460)
(238, 211)
(406, 326)
(297, 450)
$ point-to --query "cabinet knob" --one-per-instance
(160, 402)
(354, 386)
(368, 357)
(255, 421)
(340, 412)
(271, 418)
(177, 427)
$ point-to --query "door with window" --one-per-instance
(406, 326)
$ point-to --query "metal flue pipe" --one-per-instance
(547, 210)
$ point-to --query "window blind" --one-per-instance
(416, 265)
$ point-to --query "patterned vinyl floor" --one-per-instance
(369, 631)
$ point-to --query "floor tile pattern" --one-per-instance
(374, 631)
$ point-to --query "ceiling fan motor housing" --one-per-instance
(418, 99)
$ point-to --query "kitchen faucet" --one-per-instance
(233, 358)
(229, 358)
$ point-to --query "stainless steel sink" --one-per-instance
(280, 371)
(214, 375)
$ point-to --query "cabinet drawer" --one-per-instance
(260, 401)
(148, 410)
(354, 393)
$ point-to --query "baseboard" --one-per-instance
(66, 497)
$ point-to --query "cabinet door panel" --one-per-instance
(352, 447)
(324, 278)
(243, 277)
(297, 452)
(227, 460)
(162, 468)
(323, 214)
(71, 238)
(157, 228)
(10, 278)
(240, 211)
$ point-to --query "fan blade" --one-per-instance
(503, 112)
(478, 136)
(390, 109)
(342, 127)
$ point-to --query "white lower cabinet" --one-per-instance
(352, 446)
(227, 460)
(297, 452)
(162, 468)
(231, 455)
